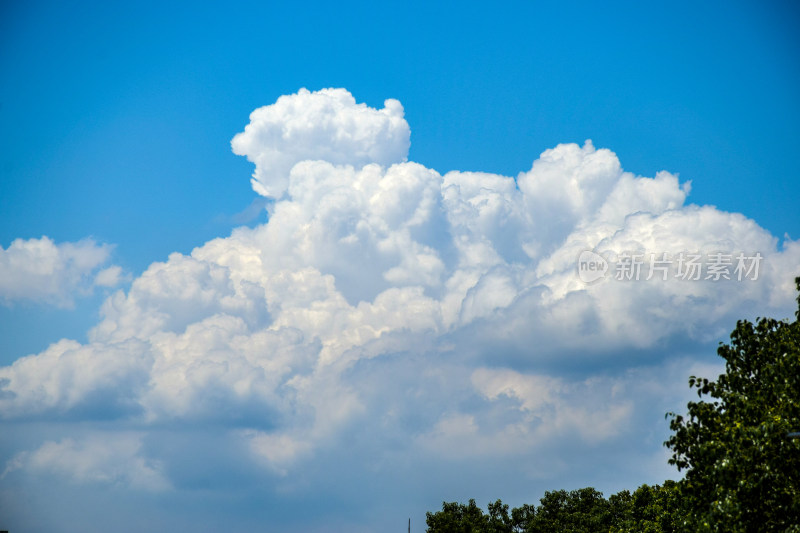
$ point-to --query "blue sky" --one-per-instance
(116, 123)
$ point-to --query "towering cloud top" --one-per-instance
(322, 125)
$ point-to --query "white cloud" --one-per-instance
(40, 270)
(94, 379)
(109, 277)
(113, 460)
(278, 452)
(542, 410)
(383, 299)
(324, 125)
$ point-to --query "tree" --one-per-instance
(650, 509)
(742, 468)
(499, 521)
(457, 518)
(578, 511)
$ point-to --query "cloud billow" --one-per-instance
(326, 125)
(41, 271)
(383, 294)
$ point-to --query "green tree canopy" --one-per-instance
(458, 518)
(578, 511)
(651, 509)
(742, 466)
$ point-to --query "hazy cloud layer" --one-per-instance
(387, 314)
(42, 271)
(101, 459)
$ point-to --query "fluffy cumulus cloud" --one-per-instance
(388, 315)
(326, 125)
(42, 271)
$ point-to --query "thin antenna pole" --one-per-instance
(409, 525)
